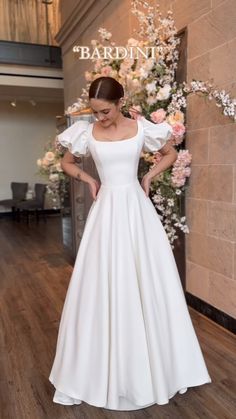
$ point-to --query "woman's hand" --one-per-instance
(94, 187)
(146, 181)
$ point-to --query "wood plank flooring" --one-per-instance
(34, 275)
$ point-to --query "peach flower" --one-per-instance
(158, 116)
(45, 162)
(49, 156)
(178, 116)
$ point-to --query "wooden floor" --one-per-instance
(34, 274)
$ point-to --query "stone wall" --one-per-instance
(211, 198)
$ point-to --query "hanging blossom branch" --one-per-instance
(221, 97)
(151, 91)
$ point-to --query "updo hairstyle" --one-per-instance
(106, 88)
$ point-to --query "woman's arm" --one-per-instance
(169, 157)
(70, 168)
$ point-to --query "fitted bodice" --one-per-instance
(116, 161)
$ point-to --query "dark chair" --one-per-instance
(34, 205)
(19, 191)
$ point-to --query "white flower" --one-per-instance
(143, 73)
(170, 202)
(185, 229)
(105, 35)
(53, 177)
(132, 42)
(39, 162)
(164, 92)
(151, 87)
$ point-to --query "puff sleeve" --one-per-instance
(75, 138)
(155, 135)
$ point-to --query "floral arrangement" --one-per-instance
(50, 168)
(151, 91)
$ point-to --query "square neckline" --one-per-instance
(113, 141)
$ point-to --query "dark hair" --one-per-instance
(106, 88)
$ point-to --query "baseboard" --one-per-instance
(211, 312)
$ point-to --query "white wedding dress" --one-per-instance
(126, 340)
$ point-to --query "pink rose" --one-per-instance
(178, 129)
(106, 71)
(158, 116)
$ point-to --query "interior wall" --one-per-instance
(25, 130)
(211, 138)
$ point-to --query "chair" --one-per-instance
(36, 204)
(19, 190)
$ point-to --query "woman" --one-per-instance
(126, 340)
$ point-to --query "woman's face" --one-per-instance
(105, 112)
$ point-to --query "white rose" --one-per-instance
(164, 92)
(39, 162)
(151, 87)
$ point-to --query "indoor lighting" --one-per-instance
(13, 103)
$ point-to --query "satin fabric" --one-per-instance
(126, 339)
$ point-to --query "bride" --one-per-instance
(126, 340)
